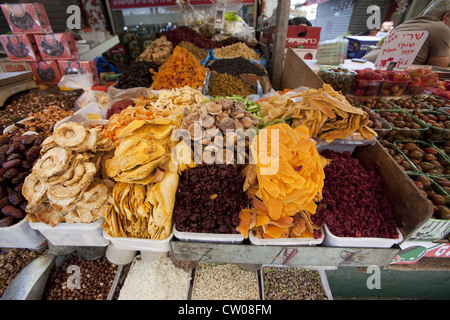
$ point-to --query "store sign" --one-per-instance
(127, 4)
(401, 47)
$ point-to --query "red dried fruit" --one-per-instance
(356, 205)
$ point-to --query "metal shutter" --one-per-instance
(332, 25)
(359, 18)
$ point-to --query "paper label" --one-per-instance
(401, 47)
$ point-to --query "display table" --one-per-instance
(100, 49)
(349, 64)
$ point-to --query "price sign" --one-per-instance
(401, 47)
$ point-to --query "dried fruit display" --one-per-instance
(17, 156)
(120, 120)
(143, 148)
(226, 85)
(326, 113)
(218, 125)
(354, 202)
(143, 211)
(200, 54)
(176, 100)
(287, 186)
(237, 66)
(140, 74)
(65, 184)
(209, 199)
(42, 122)
(182, 33)
(181, 69)
(424, 157)
(158, 51)
(118, 106)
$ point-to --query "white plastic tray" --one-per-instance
(81, 115)
(10, 127)
(73, 234)
(287, 241)
(139, 244)
(20, 235)
(323, 278)
(362, 242)
(208, 237)
(343, 145)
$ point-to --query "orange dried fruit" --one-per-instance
(293, 185)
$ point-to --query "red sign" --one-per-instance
(127, 4)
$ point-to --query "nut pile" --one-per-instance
(236, 50)
(437, 198)
(157, 279)
(404, 126)
(281, 283)
(97, 277)
(207, 120)
(24, 105)
(209, 199)
(11, 263)
(43, 121)
(224, 282)
(17, 156)
(410, 104)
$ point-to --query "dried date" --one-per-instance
(15, 198)
(11, 173)
(12, 164)
(13, 212)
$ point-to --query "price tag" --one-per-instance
(401, 47)
(220, 17)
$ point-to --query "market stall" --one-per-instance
(189, 176)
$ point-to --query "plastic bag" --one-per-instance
(84, 81)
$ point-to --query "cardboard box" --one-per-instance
(306, 54)
(119, 55)
(57, 46)
(297, 73)
(46, 72)
(75, 67)
(358, 45)
(14, 66)
(296, 37)
(26, 18)
(20, 47)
